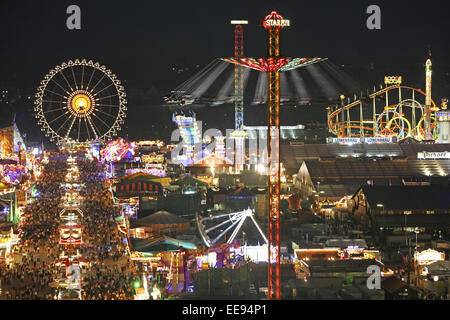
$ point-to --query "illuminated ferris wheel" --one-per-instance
(81, 102)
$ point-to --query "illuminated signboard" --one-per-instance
(157, 143)
(277, 23)
(239, 22)
(370, 140)
(152, 171)
(365, 140)
(433, 155)
(393, 80)
(429, 256)
(153, 158)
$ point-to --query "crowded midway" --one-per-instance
(35, 271)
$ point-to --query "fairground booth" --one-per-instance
(147, 188)
(161, 222)
(163, 259)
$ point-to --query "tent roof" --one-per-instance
(160, 217)
(345, 243)
(439, 268)
(408, 197)
(160, 244)
(189, 181)
(333, 266)
(242, 192)
(140, 176)
(393, 284)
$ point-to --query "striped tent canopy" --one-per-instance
(141, 176)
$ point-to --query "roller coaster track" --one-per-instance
(380, 124)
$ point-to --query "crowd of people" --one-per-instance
(33, 272)
(108, 284)
(109, 277)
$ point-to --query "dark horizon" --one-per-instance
(142, 42)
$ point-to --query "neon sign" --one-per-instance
(277, 23)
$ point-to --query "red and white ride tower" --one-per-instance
(273, 23)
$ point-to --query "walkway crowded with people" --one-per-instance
(33, 273)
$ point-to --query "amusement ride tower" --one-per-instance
(273, 64)
(428, 105)
(273, 23)
(239, 133)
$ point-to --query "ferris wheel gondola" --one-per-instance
(80, 102)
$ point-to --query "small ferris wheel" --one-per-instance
(81, 102)
(214, 228)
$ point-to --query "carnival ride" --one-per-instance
(214, 86)
(12, 174)
(117, 149)
(239, 133)
(272, 67)
(395, 111)
(215, 229)
(190, 133)
(80, 102)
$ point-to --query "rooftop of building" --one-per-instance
(342, 266)
(408, 197)
(294, 153)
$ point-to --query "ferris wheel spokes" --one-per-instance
(64, 96)
(236, 221)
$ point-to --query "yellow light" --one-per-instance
(81, 103)
(239, 22)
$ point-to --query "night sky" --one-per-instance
(142, 40)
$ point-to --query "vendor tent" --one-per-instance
(189, 181)
(158, 218)
(159, 245)
(141, 176)
(159, 222)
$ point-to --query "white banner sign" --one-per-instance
(433, 155)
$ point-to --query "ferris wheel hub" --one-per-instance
(81, 103)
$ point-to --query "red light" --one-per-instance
(273, 16)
